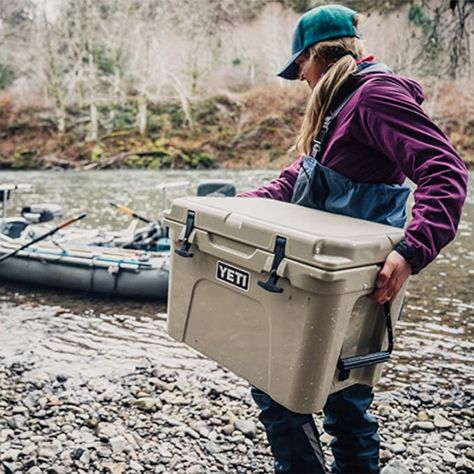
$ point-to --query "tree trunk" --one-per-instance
(61, 117)
(54, 80)
(94, 127)
(142, 114)
(252, 74)
(182, 98)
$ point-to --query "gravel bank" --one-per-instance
(158, 419)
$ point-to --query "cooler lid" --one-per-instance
(321, 239)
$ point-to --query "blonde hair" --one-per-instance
(343, 51)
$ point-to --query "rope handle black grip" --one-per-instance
(346, 364)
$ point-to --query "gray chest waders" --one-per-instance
(319, 187)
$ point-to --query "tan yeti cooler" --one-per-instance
(277, 293)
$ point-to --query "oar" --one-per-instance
(128, 211)
(41, 237)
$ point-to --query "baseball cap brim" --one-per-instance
(290, 70)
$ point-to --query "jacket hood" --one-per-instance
(368, 70)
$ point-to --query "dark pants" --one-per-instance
(294, 439)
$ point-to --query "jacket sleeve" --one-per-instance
(392, 122)
(280, 188)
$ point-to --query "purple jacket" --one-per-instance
(382, 135)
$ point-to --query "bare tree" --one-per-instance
(53, 70)
(94, 54)
(444, 35)
(16, 27)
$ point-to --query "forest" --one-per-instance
(190, 84)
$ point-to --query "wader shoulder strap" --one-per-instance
(332, 114)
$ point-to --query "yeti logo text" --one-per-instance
(233, 276)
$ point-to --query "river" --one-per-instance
(89, 336)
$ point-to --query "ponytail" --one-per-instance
(343, 51)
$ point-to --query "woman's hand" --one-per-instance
(391, 278)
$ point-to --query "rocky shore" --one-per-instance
(159, 420)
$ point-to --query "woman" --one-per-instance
(363, 133)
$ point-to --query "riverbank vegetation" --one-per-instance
(163, 84)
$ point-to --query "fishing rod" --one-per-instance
(130, 212)
(41, 237)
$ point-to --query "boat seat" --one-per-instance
(216, 188)
(39, 213)
(13, 227)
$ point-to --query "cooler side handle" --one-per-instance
(346, 364)
(256, 261)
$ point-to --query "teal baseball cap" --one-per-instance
(319, 24)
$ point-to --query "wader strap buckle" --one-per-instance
(319, 140)
(346, 364)
(184, 250)
(270, 284)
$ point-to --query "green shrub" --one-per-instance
(7, 76)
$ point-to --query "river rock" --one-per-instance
(464, 464)
(35, 470)
(228, 429)
(45, 453)
(467, 412)
(247, 427)
(397, 448)
(212, 448)
(192, 433)
(384, 409)
(423, 416)
(326, 438)
(194, 470)
(28, 464)
(77, 453)
(136, 466)
(441, 422)
(449, 458)
(114, 468)
(10, 468)
(164, 450)
(56, 469)
(39, 380)
(10, 455)
(17, 422)
(5, 434)
(470, 454)
(106, 430)
(146, 403)
(385, 455)
(61, 378)
(422, 425)
(463, 443)
(118, 444)
(395, 467)
(20, 410)
(425, 397)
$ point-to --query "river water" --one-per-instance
(88, 336)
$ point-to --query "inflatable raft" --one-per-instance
(133, 263)
(109, 271)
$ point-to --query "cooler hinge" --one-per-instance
(184, 250)
(270, 284)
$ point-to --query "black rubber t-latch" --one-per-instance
(270, 284)
(184, 250)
